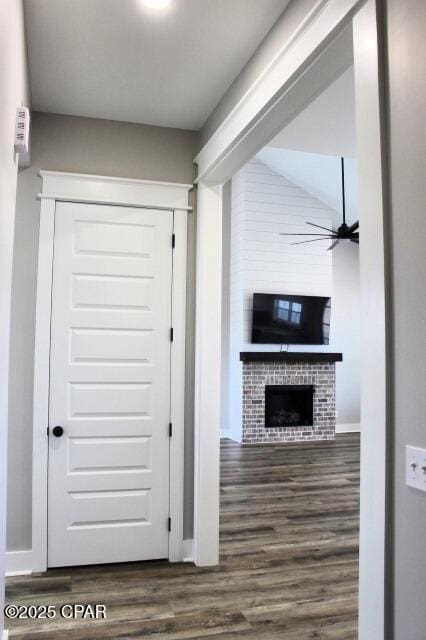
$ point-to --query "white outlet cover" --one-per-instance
(415, 468)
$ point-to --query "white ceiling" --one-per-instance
(327, 125)
(115, 59)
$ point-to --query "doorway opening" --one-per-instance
(221, 160)
(292, 353)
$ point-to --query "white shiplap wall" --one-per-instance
(263, 205)
(236, 306)
(267, 204)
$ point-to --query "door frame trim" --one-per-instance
(69, 187)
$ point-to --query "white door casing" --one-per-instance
(88, 348)
(109, 384)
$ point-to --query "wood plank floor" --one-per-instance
(288, 569)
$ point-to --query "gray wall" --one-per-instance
(282, 30)
(14, 91)
(81, 145)
(407, 102)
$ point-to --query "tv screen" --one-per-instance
(288, 319)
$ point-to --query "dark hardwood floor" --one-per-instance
(288, 568)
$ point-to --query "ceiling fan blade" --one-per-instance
(333, 244)
(325, 235)
(354, 227)
(356, 240)
(311, 224)
(315, 240)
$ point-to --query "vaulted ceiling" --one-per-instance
(327, 125)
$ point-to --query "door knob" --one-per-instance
(57, 431)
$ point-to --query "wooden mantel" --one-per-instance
(290, 356)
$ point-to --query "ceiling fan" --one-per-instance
(344, 232)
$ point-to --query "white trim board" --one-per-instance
(226, 435)
(5, 634)
(19, 563)
(348, 428)
(98, 200)
(177, 390)
(376, 435)
(208, 320)
(188, 550)
(113, 191)
(77, 187)
(340, 428)
(315, 37)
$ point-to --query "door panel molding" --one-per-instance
(67, 187)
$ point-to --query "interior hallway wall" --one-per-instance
(102, 147)
(406, 28)
(14, 92)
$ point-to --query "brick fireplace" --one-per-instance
(272, 413)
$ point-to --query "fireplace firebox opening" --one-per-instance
(289, 406)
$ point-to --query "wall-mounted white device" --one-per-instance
(22, 130)
(416, 468)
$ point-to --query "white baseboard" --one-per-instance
(348, 428)
(18, 563)
(229, 436)
(188, 550)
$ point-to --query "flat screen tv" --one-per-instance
(288, 319)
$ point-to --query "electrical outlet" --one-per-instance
(415, 468)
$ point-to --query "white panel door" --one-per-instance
(109, 385)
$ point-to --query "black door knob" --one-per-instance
(57, 431)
